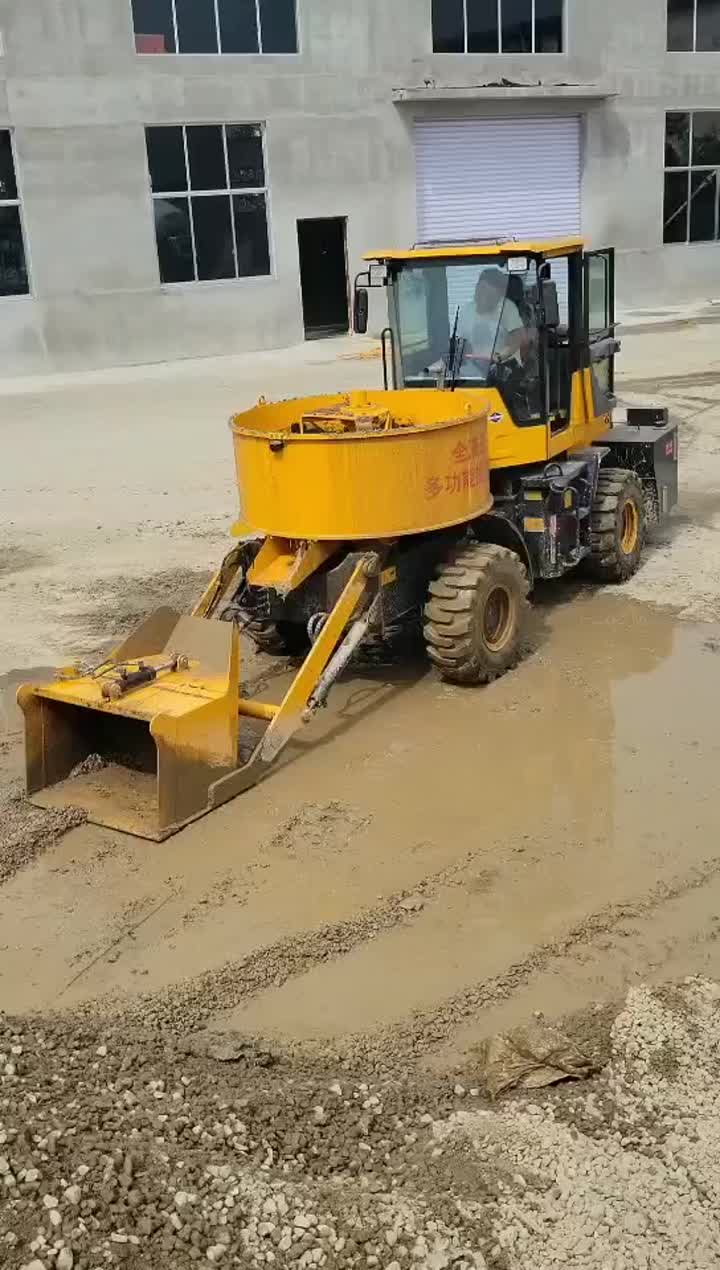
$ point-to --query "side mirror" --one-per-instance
(360, 311)
(551, 307)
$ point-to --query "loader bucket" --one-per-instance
(143, 763)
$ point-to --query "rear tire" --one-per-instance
(476, 614)
(617, 526)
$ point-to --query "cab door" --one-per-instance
(599, 322)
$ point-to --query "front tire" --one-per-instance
(278, 638)
(476, 615)
(250, 608)
(617, 526)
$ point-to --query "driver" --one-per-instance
(491, 324)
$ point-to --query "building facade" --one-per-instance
(183, 178)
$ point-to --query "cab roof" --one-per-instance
(436, 251)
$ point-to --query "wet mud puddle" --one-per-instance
(479, 840)
(583, 781)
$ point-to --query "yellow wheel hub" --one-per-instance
(497, 619)
(630, 528)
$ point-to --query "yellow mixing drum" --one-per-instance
(361, 466)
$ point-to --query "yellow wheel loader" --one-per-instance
(488, 460)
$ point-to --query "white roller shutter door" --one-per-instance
(512, 177)
(488, 178)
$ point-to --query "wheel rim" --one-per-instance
(497, 618)
(630, 528)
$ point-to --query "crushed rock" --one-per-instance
(638, 1185)
(118, 1146)
(146, 1155)
(92, 763)
(26, 831)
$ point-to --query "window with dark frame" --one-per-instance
(209, 195)
(502, 26)
(693, 26)
(692, 176)
(13, 263)
(215, 26)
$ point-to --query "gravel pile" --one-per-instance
(120, 1147)
(624, 1174)
(27, 831)
(117, 1148)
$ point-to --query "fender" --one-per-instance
(494, 527)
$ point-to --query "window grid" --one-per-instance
(189, 193)
(227, 189)
(258, 32)
(689, 169)
(500, 49)
(694, 43)
(217, 25)
(15, 202)
(680, 43)
(232, 204)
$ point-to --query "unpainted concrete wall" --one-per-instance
(78, 98)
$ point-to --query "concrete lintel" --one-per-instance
(501, 92)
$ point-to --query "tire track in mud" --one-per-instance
(191, 1006)
(425, 1030)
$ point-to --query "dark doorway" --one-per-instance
(323, 276)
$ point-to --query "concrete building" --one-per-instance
(361, 123)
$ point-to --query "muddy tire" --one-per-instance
(250, 607)
(617, 526)
(279, 639)
(476, 614)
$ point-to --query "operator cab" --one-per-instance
(518, 317)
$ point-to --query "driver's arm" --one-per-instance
(513, 337)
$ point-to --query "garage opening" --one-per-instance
(322, 243)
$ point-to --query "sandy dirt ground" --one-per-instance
(428, 866)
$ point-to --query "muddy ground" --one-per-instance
(427, 867)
